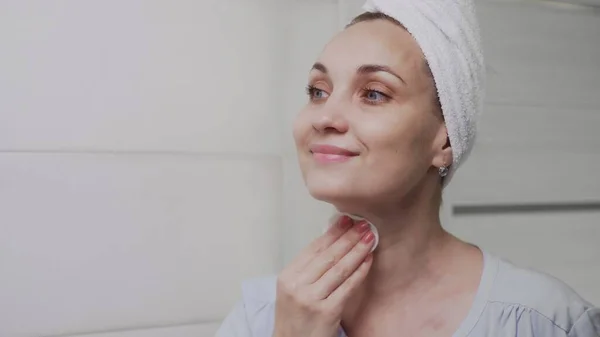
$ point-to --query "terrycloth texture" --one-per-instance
(448, 33)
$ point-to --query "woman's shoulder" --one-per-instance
(254, 314)
(534, 289)
(536, 299)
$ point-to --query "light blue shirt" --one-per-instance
(510, 302)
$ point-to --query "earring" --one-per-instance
(443, 171)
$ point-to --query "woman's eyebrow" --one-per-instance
(320, 67)
(364, 69)
(374, 68)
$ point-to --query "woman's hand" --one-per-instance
(313, 289)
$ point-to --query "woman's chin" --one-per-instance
(339, 195)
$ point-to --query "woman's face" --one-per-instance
(371, 131)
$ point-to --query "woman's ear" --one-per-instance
(442, 150)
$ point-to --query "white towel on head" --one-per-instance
(448, 33)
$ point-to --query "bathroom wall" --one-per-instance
(140, 163)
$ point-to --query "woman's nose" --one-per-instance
(330, 121)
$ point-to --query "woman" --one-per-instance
(385, 127)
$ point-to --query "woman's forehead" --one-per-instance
(373, 42)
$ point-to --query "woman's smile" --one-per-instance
(325, 154)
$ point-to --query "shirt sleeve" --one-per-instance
(588, 325)
(236, 323)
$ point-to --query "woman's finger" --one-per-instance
(331, 256)
(320, 244)
(341, 294)
(345, 268)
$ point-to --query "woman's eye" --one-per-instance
(375, 96)
(315, 93)
(318, 93)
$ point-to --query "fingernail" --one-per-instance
(344, 222)
(362, 227)
(367, 238)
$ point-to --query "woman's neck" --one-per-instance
(413, 263)
(414, 254)
(410, 249)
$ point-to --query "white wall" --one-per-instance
(140, 140)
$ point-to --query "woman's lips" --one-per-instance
(331, 154)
